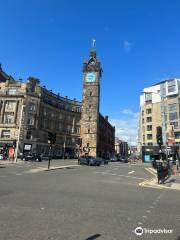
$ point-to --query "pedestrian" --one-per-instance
(170, 164)
(160, 172)
(177, 164)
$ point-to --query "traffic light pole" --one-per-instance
(164, 125)
(49, 161)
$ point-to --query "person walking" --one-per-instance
(170, 164)
(177, 164)
(160, 172)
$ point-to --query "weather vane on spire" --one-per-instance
(93, 43)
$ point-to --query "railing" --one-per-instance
(6, 93)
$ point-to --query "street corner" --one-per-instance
(172, 183)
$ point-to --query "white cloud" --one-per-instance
(129, 112)
(127, 46)
(127, 126)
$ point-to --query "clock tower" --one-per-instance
(90, 104)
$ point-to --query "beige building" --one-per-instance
(159, 106)
(29, 112)
(121, 147)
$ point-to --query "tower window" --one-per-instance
(87, 144)
(89, 118)
(89, 105)
(90, 94)
(88, 130)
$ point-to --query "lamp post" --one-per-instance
(164, 117)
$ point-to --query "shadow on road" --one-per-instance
(170, 181)
(96, 236)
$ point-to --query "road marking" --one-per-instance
(18, 174)
(148, 211)
(131, 172)
(144, 216)
(140, 223)
(120, 175)
(151, 171)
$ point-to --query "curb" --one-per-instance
(36, 170)
(152, 182)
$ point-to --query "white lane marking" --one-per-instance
(120, 175)
(131, 172)
(144, 216)
(140, 223)
(148, 211)
(151, 207)
(18, 174)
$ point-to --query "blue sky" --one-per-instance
(137, 41)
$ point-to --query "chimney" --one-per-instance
(106, 117)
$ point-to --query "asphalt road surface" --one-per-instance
(84, 203)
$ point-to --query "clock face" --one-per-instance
(91, 77)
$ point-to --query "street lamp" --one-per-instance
(164, 117)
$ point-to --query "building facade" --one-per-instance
(121, 147)
(97, 134)
(160, 106)
(29, 113)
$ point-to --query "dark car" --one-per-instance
(31, 157)
(34, 157)
(123, 159)
(114, 159)
(89, 160)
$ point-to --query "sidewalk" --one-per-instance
(53, 161)
(171, 183)
(6, 162)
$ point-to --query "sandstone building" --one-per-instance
(97, 134)
(37, 111)
(29, 112)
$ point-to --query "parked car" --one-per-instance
(91, 161)
(31, 157)
(34, 157)
(113, 159)
(123, 159)
(44, 157)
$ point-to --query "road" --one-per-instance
(84, 203)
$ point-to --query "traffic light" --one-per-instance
(159, 137)
(50, 137)
(14, 144)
